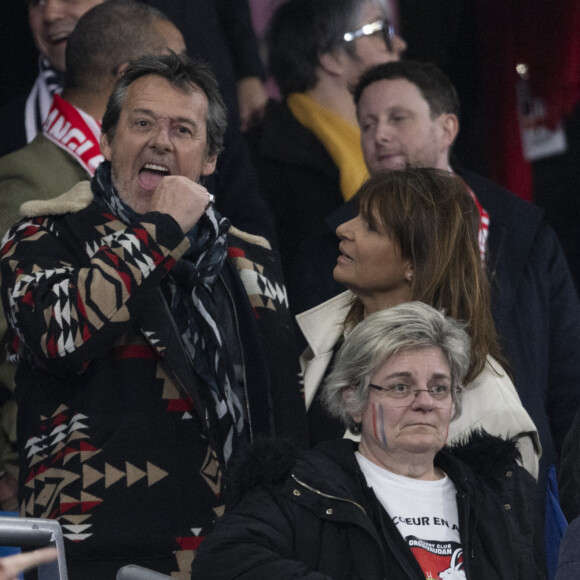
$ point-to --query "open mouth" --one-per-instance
(343, 257)
(58, 37)
(151, 174)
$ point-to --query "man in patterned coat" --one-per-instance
(152, 339)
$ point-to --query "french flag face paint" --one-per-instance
(379, 423)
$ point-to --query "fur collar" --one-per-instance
(487, 456)
(72, 201)
(266, 462)
(81, 196)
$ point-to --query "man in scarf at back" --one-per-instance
(51, 23)
(152, 339)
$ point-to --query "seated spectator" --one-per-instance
(399, 504)
(307, 151)
(415, 238)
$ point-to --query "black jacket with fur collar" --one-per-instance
(312, 516)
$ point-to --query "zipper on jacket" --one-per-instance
(403, 563)
(322, 494)
(469, 529)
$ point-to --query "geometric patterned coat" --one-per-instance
(115, 432)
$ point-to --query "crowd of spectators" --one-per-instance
(212, 211)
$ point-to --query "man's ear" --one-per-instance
(331, 62)
(105, 147)
(449, 124)
(208, 166)
(121, 69)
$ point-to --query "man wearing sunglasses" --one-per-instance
(307, 150)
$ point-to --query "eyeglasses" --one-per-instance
(406, 395)
(383, 26)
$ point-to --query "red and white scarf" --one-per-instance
(75, 132)
(483, 229)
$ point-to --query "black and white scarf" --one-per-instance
(191, 301)
(48, 82)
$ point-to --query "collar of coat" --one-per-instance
(487, 457)
(81, 196)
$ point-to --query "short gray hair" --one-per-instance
(384, 334)
(184, 74)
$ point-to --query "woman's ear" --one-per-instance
(347, 394)
(409, 273)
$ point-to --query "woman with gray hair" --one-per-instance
(399, 504)
(413, 326)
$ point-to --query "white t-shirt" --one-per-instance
(425, 513)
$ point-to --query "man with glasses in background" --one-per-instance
(307, 150)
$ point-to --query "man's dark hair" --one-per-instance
(300, 31)
(108, 36)
(432, 83)
(184, 75)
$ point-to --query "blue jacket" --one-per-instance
(536, 311)
(569, 559)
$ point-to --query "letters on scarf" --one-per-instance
(75, 132)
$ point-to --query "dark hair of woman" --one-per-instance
(432, 217)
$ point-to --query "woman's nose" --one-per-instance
(422, 400)
(344, 231)
(399, 46)
(53, 10)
